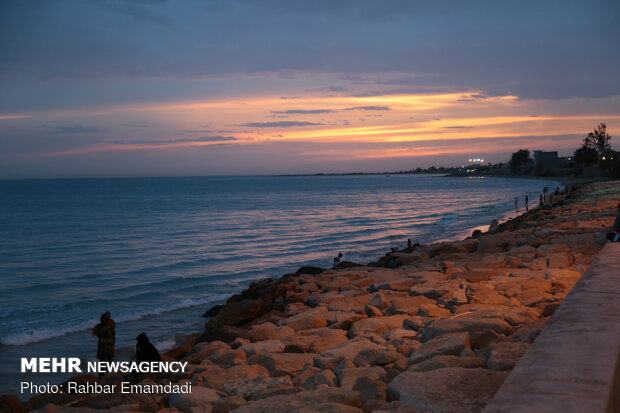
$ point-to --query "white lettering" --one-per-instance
(29, 365)
(44, 365)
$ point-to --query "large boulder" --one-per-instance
(376, 325)
(309, 319)
(280, 364)
(445, 345)
(452, 389)
(443, 361)
(470, 323)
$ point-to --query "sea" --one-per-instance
(158, 252)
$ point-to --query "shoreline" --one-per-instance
(259, 351)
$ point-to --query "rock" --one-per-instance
(380, 301)
(347, 377)
(238, 313)
(10, 404)
(342, 320)
(504, 355)
(527, 333)
(249, 388)
(483, 294)
(306, 320)
(326, 400)
(239, 342)
(475, 276)
(435, 289)
(371, 389)
(567, 278)
(267, 346)
(431, 310)
(211, 312)
(407, 305)
(394, 285)
(372, 311)
(280, 364)
(399, 333)
(322, 378)
(268, 331)
(376, 325)
(228, 358)
(351, 349)
(201, 351)
(416, 322)
(453, 299)
(443, 361)
(145, 402)
(445, 345)
(470, 323)
(298, 343)
(452, 389)
(219, 380)
(560, 260)
(405, 346)
(226, 405)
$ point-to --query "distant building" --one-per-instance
(545, 160)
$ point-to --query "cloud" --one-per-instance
(282, 124)
(70, 129)
(458, 127)
(303, 111)
(368, 108)
(173, 141)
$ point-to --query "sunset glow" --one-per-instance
(276, 110)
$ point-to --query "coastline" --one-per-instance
(373, 329)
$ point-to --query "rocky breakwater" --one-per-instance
(433, 328)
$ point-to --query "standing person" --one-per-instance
(105, 331)
(541, 200)
(526, 203)
(409, 243)
(516, 204)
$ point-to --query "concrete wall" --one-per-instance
(573, 366)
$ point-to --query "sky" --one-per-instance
(113, 88)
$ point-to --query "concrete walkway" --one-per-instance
(574, 365)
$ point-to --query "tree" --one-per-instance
(598, 140)
(586, 156)
(518, 159)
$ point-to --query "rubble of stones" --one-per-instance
(439, 332)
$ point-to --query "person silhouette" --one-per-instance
(105, 331)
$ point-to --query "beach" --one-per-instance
(434, 327)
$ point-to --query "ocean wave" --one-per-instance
(43, 334)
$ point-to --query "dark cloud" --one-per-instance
(303, 111)
(334, 89)
(368, 108)
(282, 124)
(173, 141)
(71, 129)
(531, 49)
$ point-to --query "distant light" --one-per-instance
(470, 159)
(603, 158)
(481, 160)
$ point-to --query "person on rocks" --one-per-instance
(145, 351)
(409, 243)
(614, 235)
(526, 203)
(105, 331)
(335, 263)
